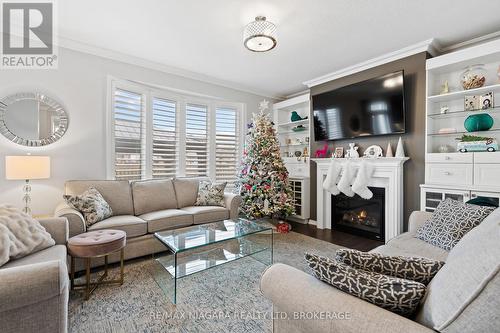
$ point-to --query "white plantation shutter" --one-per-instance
(129, 135)
(164, 164)
(226, 145)
(196, 140)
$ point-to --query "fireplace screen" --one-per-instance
(360, 216)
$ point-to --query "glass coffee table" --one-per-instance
(200, 247)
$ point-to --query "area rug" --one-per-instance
(222, 299)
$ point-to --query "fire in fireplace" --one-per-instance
(359, 216)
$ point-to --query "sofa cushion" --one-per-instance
(56, 252)
(407, 245)
(117, 193)
(451, 220)
(21, 234)
(152, 195)
(132, 225)
(394, 294)
(411, 268)
(205, 214)
(210, 194)
(186, 190)
(167, 219)
(91, 205)
(464, 293)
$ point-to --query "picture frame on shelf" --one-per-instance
(471, 103)
(486, 101)
(339, 152)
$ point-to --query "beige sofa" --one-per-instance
(463, 297)
(34, 290)
(142, 208)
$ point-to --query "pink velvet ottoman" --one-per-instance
(95, 244)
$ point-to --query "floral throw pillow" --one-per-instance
(91, 204)
(210, 194)
(450, 221)
(394, 294)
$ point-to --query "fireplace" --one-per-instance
(359, 216)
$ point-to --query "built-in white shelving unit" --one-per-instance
(293, 142)
(452, 174)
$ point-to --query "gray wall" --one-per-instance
(414, 139)
(80, 85)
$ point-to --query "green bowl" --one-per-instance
(478, 122)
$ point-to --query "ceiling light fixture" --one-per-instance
(260, 35)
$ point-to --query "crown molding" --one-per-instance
(137, 61)
(430, 46)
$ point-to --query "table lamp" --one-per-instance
(27, 168)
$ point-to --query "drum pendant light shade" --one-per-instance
(260, 35)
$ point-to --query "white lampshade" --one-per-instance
(27, 167)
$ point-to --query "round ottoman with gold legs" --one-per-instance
(95, 244)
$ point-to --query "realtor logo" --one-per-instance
(28, 35)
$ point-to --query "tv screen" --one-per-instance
(371, 107)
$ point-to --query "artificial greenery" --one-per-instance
(470, 138)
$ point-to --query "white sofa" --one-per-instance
(463, 297)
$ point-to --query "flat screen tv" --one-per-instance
(367, 108)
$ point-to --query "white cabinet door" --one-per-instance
(448, 174)
(431, 197)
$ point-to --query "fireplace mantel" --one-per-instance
(388, 174)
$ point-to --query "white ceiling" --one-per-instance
(315, 37)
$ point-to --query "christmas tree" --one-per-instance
(263, 177)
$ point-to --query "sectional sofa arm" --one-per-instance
(233, 202)
(30, 284)
(417, 219)
(316, 306)
(76, 220)
(57, 227)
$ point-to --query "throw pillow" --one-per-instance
(394, 294)
(210, 194)
(411, 268)
(450, 221)
(20, 234)
(91, 204)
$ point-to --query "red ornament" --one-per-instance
(283, 228)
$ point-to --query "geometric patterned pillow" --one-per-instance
(450, 221)
(91, 204)
(411, 268)
(210, 194)
(394, 294)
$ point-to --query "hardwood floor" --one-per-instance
(336, 237)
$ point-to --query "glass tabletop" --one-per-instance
(183, 239)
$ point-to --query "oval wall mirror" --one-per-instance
(32, 119)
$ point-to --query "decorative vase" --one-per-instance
(478, 122)
(473, 77)
(295, 116)
(400, 151)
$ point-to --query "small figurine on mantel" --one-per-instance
(388, 151)
(445, 88)
(352, 151)
(400, 152)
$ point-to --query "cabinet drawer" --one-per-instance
(487, 174)
(449, 158)
(449, 174)
(487, 157)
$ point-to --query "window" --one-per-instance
(161, 134)
(226, 145)
(129, 134)
(165, 157)
(196, 140)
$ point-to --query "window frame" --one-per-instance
(182, 99)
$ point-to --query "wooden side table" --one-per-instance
(96, 244)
